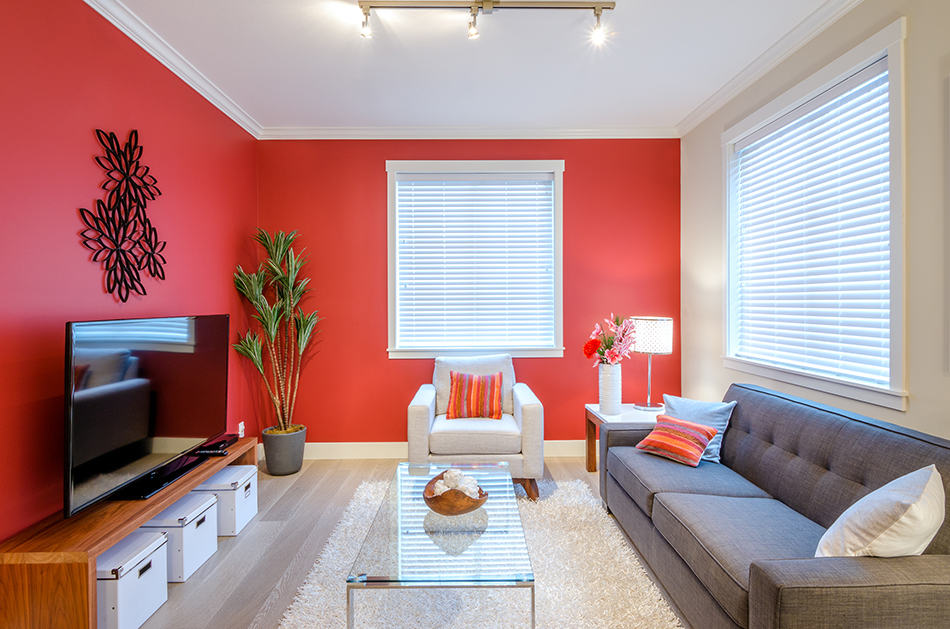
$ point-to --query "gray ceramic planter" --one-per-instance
(283, 453)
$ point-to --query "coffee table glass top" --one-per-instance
(409, 544)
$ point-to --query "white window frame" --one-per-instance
(553, 167)
(889, 42)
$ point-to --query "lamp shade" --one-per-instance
(653, 335)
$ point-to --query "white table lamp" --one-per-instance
(652, 335)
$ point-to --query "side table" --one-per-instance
(628, 413)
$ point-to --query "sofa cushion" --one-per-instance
(478, 365)
(474, 435)
(714, 414)
(677, 440)
(642, 476)
(720, 536)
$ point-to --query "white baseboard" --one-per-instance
(400, 449)
(564, 447)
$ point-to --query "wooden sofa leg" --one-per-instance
(530, 486)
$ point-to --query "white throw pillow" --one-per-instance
(901, 518)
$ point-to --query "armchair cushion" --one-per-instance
(478, 365)
(475, 436)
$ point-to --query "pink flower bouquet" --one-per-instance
(610, 344)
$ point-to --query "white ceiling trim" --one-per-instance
(143, 35)
(807, 30)
(459, 133)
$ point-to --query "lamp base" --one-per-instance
(647, 407)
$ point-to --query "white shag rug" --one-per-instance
(586, 575)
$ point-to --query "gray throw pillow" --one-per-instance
(715, 414)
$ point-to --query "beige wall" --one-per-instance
(927, 66)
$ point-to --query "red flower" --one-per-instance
(591, 347)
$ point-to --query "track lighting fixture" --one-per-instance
(598, 34)
(473, 25)
(366, 32)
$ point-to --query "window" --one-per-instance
(475, 258)
(814, 240)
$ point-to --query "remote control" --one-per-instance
(212, 452)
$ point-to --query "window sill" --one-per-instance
(477, 351)
(887, 398)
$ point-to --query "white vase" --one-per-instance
(610, 388)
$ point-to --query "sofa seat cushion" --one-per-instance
(475, 435)
(643, 475)
(719, 537)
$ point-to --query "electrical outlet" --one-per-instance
(241, 429)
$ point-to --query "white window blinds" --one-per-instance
(475, 261)
(810, 269)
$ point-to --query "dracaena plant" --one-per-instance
(277, 352)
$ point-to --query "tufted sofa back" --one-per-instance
(819, 460)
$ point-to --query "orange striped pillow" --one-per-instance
(474, 396)
(678, 440)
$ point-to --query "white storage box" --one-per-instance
(191, 525)
(131, 581)
(236, 489)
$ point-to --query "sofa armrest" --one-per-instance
(850, 592)
(618, 434)
(529, 415)
(421, 414)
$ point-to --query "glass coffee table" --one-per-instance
(410, 546)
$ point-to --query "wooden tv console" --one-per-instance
(48, 571)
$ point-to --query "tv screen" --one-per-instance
(140, 393)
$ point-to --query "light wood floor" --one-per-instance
(252, 578)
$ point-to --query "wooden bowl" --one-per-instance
(452, 502)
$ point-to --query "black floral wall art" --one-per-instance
(118, 231)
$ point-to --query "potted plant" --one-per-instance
(275, 291)
(610, 345)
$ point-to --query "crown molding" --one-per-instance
(807, 29)
(143, 35)
(460, 133)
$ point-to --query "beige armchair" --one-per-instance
(517, 438)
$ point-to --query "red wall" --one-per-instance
(67, 71)
(621, 254)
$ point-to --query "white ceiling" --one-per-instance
(298, 68)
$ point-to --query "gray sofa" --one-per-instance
(733, 543)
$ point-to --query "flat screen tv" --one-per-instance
(141, 396)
